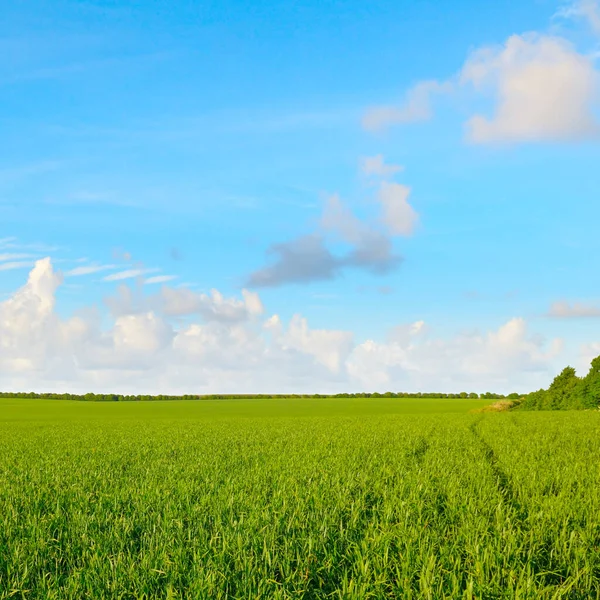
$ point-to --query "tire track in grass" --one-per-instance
(503, 482)
(517, 554)
(418, 451)
(548, 575)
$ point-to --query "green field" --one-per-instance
(366, 498)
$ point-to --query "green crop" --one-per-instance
(297, 499)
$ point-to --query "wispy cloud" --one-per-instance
(88, 197)
(9, 266)
(160, 279)
(59, 71)
(128, 274)
(219, 122)
(5, 257)
(89, 270)
(18, 172)
(12, 243)
(588, 10)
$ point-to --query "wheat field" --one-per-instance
(393, 498)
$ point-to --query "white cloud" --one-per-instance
(22, 264)
(252, 303)
(13, 243)
(213, 306)
(588, 10)
(126, 301)
(88, 270)
(29, 329)
(416, 107)
(160, 279)
(128, 274)
(403, 334)
(398, 215)
(501, 359)
(544, 89)
(376, 165)
(145, 333)
(587, 354)
(564, 310)
(12, 257)
(540, 86)
(231, 346)
(329, 348)
(37, 296)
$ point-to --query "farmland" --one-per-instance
(365, 498)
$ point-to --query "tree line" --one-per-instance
(162, 397)
(568, 391)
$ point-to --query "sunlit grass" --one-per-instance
(343, 499)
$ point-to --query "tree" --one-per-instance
(535, 400)
(590, 392)
(565, 391)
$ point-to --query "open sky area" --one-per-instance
(317, 196)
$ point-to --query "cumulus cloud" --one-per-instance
(230, 345)
(227, 348)
(143, 333)
(544, 90)
(213, 306)
(398, 215)
(565, 310)
(29, 329)
(329, 348)
(404, 334)
(540, 88)
(416, 107)
(126, 301)
(467, 360)
(36, 298)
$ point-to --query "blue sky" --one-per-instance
(189, 146)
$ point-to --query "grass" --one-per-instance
(60, 410)
(386, 498)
